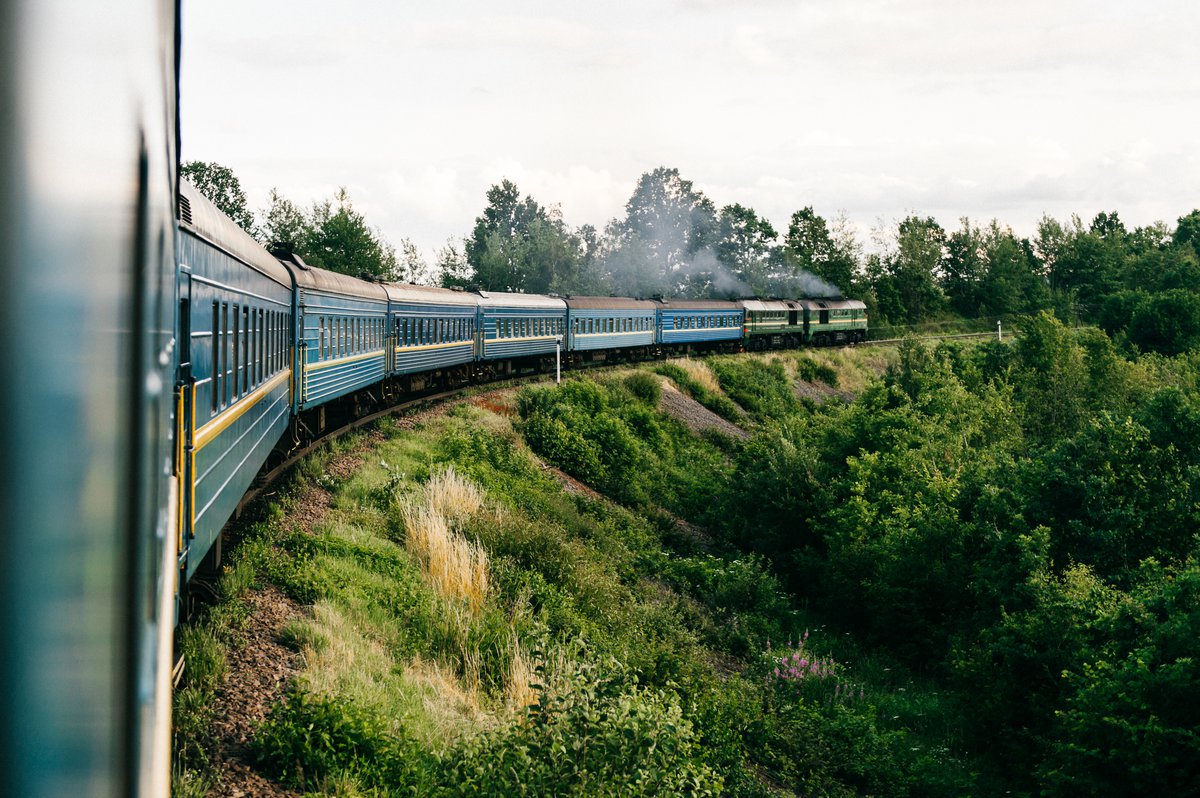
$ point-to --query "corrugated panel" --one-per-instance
(227, 463)
(588, 341)
(330, 379)
(438, 356)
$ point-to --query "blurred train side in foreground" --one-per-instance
(87, 314)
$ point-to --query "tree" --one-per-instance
(519, 245)
(338, 239)
(411, 266)
(745, 246)
(220, 185)
(811, 247)
(964, 268)
(283, 223)
(452, 267)
(667, 224)
(904, 274)
(1011, 282)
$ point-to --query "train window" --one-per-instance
(215, 387)
(237, 348)
(246, 366)
(259, 338)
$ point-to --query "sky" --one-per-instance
(873, 108)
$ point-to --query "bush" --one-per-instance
(810, 370)
(591, 735)
(307, 739)
(645, 386)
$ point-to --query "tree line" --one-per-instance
(1142, 284)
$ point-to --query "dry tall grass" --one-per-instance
(457, 568)
(452, 496)
(519, 691)
(700, 372)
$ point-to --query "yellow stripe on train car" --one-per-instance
(212, 429)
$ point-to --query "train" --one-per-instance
(159, 358)
(274, 352)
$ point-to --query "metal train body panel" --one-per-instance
(698, 321)
(431, 328)
(829, 321)
(342, 329)
(609, 323)
(87, 308)
(519, 325)
(238, 299)
(773, 317)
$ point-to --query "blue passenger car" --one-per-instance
(342, 325)
(432, 329)
(609, 323)
(707, 322)
(516, 326)
(236, 300)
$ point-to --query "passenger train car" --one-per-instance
(158, 358)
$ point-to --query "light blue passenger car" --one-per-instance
(519, 326)
(342, 325)
(433, 333)
(238, 301)
(707, 322)
(613, 323)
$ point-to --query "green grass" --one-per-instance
(610, 654)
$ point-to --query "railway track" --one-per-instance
(945, 337)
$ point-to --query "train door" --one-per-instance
(185, 420)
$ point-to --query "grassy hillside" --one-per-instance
(915, 572)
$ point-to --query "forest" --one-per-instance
(940, 569)
(1143, 283)
(947, 570)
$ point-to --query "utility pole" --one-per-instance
(557, 359)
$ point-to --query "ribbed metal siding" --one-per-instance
(429, 357)
(501, 348)
(672, 331)
(324, 380)
(227, 464)
(582, 341)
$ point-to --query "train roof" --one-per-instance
(407, 292)
(200, 217)
(763, 305)
(832, 304)
(491, 299)
(697, 304)
(609, 303)
(312, 278)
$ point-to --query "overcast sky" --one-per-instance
(1007, 109)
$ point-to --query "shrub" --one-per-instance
(307, 739)
(645, 386)
(587, 734)
(810, 370)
